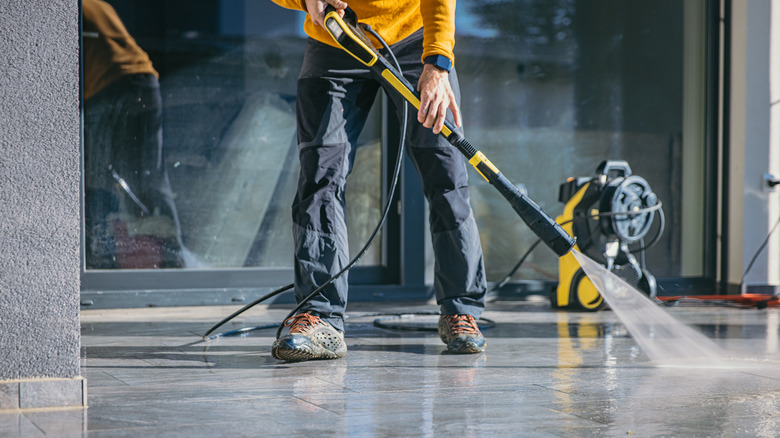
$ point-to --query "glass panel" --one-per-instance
(551, 88)
(200, 170)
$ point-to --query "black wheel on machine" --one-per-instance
(583, 295)
(647, 284)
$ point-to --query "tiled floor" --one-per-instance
(546, 373)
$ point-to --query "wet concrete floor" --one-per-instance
(545, 373)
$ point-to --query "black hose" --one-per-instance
(508, 276)
(247, 307)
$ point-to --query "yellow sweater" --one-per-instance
(395, 20)
(109, 51)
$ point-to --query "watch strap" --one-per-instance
(439, 61)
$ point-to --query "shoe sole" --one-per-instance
(463, 345)
(299, 348)
(467, 348)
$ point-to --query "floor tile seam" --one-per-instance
(334, 387)
(381, 340)
(575, 415)
(108, 392)
(210, 367)
(379, 392)
(493, 417)
(104, 402)
(114, 353)
(456, 388)
(106, 399)
(335, 384)
(109, 375)
(446, 368)
(136, 381)
(762, 376)
(152, 428)
(176, 355)
(121, 344)
(185, 390)
(552, 389)
(135, 390)
(616, 396)
(24, 414)
(355, 341)
(131, 341)
(206, 377)
(92, 375)
(146, 367)
(303, 400)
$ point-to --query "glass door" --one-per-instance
(190, 149)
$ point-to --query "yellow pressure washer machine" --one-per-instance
(606, 213)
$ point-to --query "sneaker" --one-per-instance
(461, 334)
(309, 338)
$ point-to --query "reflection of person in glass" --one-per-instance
(131, 219)
(335, 94)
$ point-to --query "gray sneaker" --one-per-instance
(309, 338)
(461, 334)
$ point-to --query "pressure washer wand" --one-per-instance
(350, 37)
(537, 220)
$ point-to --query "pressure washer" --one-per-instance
(350, 36)
(606, 213)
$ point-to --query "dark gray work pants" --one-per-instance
(335, 94)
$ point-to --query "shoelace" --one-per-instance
(462, 324)
(301, 322)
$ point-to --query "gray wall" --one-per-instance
(39, 189)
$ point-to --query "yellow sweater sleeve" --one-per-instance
(291, 4)
(395, 20)
(439, 27)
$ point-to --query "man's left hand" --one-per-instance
(436, 97)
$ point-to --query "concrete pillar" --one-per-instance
(754, 145)
(39, 205)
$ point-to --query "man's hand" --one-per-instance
(436, 97)
(316, 9)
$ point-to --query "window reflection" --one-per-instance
(550, 88)
(209, 183)
(132, 220)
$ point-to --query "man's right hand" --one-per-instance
(316, 9)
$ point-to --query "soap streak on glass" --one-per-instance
(665, 340)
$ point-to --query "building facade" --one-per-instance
(681, 91)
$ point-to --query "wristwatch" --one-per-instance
(439, 61)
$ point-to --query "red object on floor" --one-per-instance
(757, 300)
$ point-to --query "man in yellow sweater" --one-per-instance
(335, 94)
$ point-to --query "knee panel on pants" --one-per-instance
(445, 183)
(320, 200)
